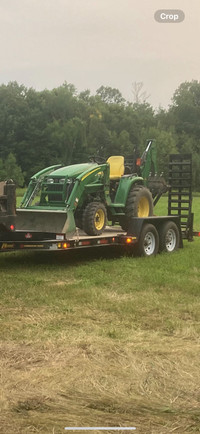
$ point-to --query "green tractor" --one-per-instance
(59, 199)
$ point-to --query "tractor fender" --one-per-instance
(125, 184)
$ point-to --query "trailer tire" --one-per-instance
(139, 204)
(94, 218)
(148, 243)
(169, 237)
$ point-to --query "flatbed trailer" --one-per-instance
(148, 236)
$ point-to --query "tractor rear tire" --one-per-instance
(139, 204)
(94, 218)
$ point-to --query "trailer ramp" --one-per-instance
(180, 192)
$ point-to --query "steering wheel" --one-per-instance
(97, 159)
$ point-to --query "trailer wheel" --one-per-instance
(169, 237)
(139, 204)
(148, 243)
(94, 218)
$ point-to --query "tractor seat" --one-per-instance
(116, 166)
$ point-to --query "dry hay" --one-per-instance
(150, 383)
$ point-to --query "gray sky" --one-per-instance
(99, 42)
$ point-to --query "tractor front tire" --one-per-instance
(139, 204)
(94, 218)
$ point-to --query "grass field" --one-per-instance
(94, 338)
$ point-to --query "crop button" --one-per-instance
(169, 16)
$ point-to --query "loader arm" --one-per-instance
(34, 185)
(149, 171)
(148, 161)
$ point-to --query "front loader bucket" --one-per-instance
(45, 221)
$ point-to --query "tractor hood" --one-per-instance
(72, 171)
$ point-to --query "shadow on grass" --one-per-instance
(66, 258)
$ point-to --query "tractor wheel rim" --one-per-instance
(99, 219)
(170, 240)
(143, 207)
(149, 243)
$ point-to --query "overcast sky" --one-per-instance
(99, 42)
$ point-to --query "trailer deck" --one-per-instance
(21, 240)
(113, 235)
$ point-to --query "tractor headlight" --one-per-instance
(50, 181)
(61, 181)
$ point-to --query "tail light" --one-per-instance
(138, 162)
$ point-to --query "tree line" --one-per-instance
(42, 128)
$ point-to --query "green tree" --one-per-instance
(2, 171)
(185, 109)
(124, 143)
(110, 95)
(66, 139)
(9, 169)
(13, 109)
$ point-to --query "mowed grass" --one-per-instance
(96, 338)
